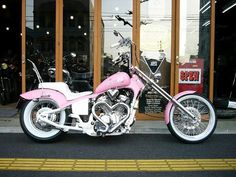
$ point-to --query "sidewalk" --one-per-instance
(224, 126)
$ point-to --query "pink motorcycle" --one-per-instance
(53, 108)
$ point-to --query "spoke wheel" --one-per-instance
(34, 127)
(197, 129)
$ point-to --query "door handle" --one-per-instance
(177, 60)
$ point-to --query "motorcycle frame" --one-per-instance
(38, 94)
(43, 93)
(149, 81)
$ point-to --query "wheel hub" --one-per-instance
(192, 123)
(39, 113)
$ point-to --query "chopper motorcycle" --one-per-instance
(110, 110)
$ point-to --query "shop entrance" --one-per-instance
(225, 65)
(10, 52)
(56, 28)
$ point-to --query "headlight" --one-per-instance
(157, 77)
(4, 66)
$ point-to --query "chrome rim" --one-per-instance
(35, 126)
(193, 129)
(39, 109)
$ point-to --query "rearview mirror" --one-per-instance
(115, 33)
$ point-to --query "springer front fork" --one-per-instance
(162, 92)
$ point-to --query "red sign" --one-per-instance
(191, 76)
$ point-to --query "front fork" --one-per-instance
(163, 92)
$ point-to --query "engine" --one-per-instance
(111, 110)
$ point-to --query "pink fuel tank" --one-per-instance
(118, 80)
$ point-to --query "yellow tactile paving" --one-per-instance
(97, 165)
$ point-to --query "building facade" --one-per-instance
(183, 30)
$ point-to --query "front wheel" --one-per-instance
(37, 129)
(190, 130)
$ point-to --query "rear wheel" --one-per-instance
(37, 129)
(189, 130)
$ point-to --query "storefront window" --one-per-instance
(78, 43)
(155, 45)
(111, 11)
(194, 45)
(225, 44)
(40, 39)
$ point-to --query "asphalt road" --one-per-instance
(126, 147)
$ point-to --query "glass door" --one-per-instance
(78, 28)
(40, 39)
(193, 46)
(59, 37)
(112, 12)
(155, 46)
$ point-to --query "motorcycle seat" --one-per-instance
(64, 89)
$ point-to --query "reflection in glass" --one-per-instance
(78, 38)
(40, 38)
(194, 45)
(110, 9)
(155, 46)
(155, 38)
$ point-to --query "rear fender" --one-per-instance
(45, 94)
(170, 104)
